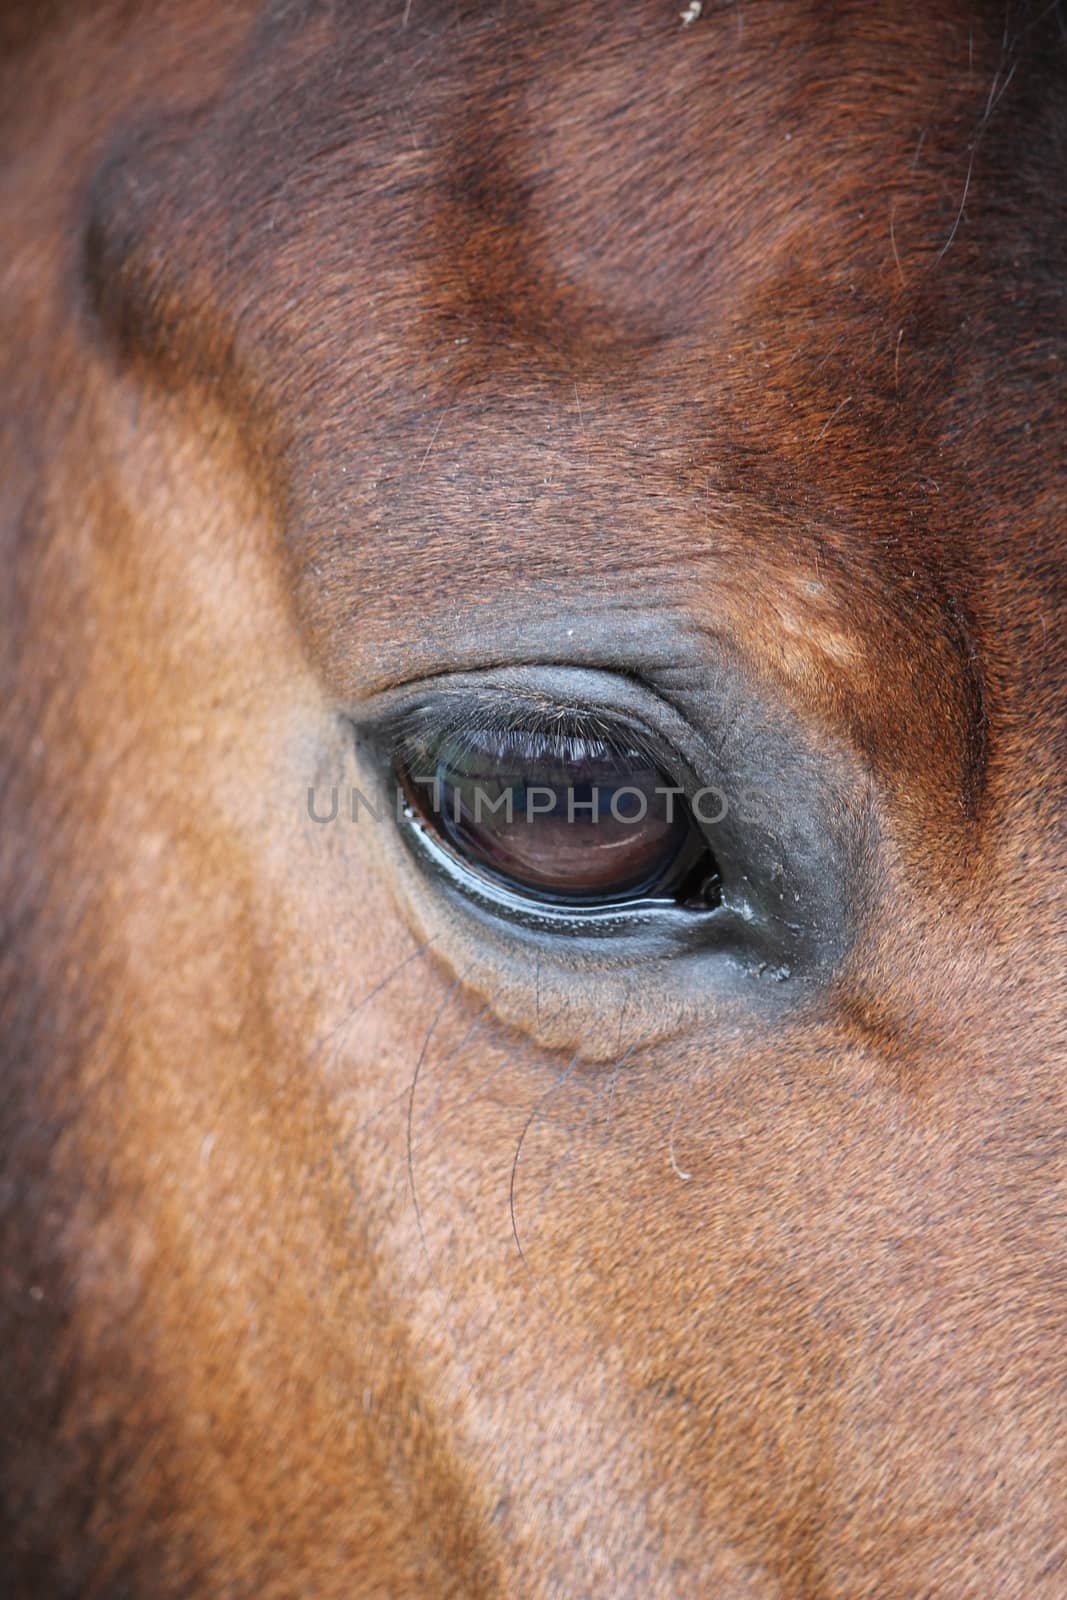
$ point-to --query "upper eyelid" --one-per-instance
(450, 706)
(605, 690)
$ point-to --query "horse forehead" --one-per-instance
(590, 282)
(578, 193)
(505, 232)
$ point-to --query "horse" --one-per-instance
(534, 732)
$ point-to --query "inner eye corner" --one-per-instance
(571, 810)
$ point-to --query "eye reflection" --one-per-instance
(557, 815)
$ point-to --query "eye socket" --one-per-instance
(561, 814)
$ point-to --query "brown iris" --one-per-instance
(560, 816)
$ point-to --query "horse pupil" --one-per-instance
(555, 815)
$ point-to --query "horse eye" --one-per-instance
(561, 817)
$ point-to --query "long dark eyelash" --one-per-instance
(529, 727)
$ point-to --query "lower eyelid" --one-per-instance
(594, 921)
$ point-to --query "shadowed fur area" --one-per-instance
(368, 366)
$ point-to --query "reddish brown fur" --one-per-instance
(339, 342)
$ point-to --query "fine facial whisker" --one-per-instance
(450, 1060)
(678, 1170)
(364, 1000)
(605, 1092)
(531, 1119)
(438, 1014)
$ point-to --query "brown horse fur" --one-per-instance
(354, 1245)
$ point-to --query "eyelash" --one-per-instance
(530, 730)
